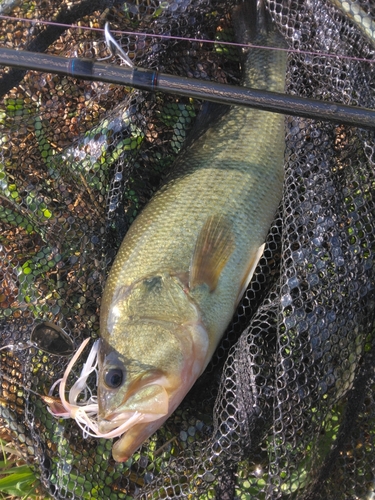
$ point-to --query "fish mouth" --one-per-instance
(132, 439)
(115, 421)
(150, 402)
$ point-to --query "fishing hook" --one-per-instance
(114, 47)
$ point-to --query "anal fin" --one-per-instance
(214, 246)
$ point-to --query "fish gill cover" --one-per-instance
(285, 409)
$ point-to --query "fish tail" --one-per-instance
(251, 20)
(264, 68)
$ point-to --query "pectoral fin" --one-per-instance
(214, 246)
(252, 264)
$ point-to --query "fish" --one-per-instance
(188, 257)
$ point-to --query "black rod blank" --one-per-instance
(145, 79)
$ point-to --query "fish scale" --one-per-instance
(188, 256)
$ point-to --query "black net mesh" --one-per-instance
(285, 408)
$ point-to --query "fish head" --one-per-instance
(147, 364)
(129, 384)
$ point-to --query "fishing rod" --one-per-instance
(146, 79)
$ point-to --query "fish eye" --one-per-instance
(113, 378)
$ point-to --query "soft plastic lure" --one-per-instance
(85, 411)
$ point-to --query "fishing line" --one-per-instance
(16, 382)
(182, 38)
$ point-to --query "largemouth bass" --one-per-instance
(187, 259)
